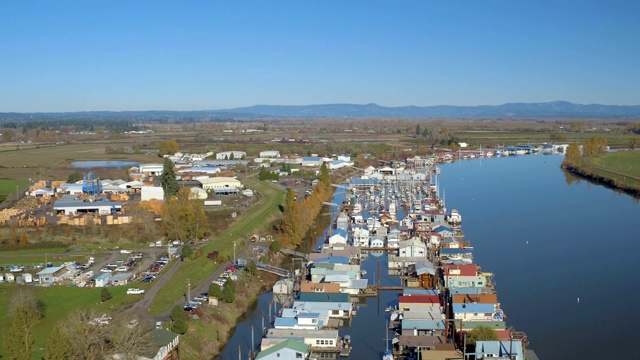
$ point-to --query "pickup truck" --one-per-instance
(135, 291)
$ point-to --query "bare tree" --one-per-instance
(129, 337)
(97, 337)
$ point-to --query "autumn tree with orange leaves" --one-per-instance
(299, 216)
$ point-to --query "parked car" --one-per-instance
(111, 265)
(137, 256)
(122, 268)
(106, 270)
(148, 278)
(135, 291)
(125, 251)
(200, 298)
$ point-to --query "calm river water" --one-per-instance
(549, 240)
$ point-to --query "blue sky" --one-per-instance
(197, 55)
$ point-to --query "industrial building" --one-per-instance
(71, 204)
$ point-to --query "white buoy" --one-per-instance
(578, 300)
(527, 242)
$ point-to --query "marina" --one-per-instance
(397, 220)
(481, 196)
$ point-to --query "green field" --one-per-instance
(197, 270)
(58, 301)
(621, 168)
(626, 162)
(8, 187)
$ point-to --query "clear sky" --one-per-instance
(196, 55)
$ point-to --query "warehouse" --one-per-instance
(230, 155)
(71, 204)
(220, 183)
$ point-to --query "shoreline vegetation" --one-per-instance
(619, 170)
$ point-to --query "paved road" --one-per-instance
(141, 307)
(203, 287)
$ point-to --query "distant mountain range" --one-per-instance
(555, 109)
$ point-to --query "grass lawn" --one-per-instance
(58, 301)
(8, 187)
(626, 162)
(197, 270)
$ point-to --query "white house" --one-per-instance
(314, 338)
(376, 241)
(477, 312)
(269, 154)
(360, 236)
(228, 155)
(338, 236)
(413, 247)
(151, 169)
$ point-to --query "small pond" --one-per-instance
(90, 164)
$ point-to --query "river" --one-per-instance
(549, 239)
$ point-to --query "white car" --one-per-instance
(106, 270)
(135, 291)
(122, 268)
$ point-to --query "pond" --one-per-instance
(90, 164)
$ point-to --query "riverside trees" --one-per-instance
(298, 216)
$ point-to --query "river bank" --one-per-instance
(615, 170)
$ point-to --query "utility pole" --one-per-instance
(188, 291)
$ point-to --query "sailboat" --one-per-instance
(388, 354)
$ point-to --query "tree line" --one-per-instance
(298, 216)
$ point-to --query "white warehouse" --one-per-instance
(231, 155)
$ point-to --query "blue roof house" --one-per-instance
(499, 349)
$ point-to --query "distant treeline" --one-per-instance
(32, 246)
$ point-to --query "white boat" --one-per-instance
(455, 217)
(357, 208)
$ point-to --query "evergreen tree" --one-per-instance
(168, 179)
(229, 292)
(74, 177)
(105, 295)
(186, 252)
(215, 291)
(178, 320)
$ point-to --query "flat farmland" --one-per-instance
(41, 162)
